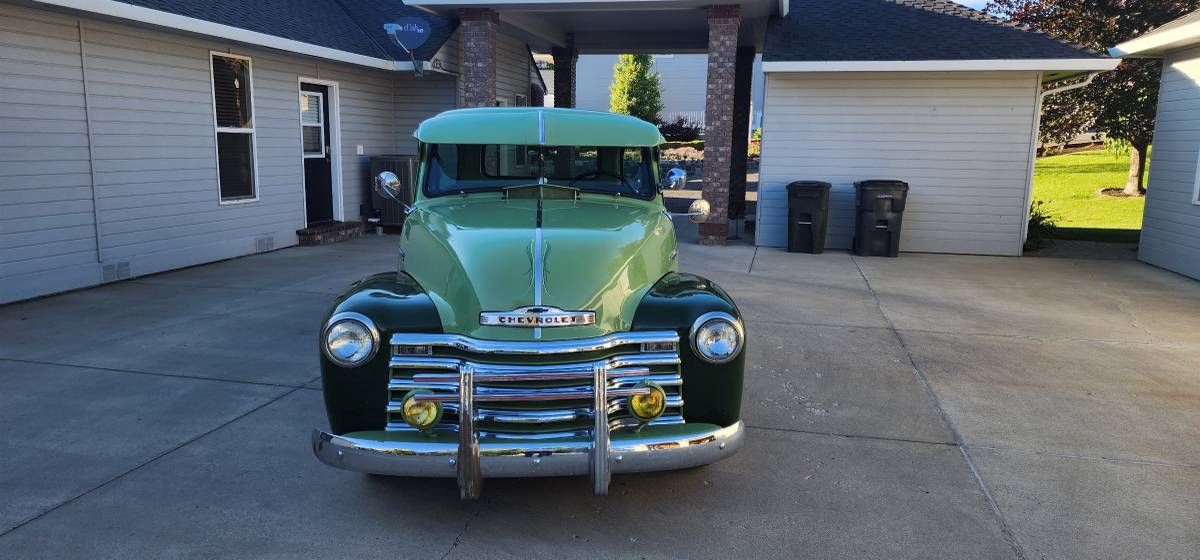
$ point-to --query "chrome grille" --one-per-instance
(534, 390)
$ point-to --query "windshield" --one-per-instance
(458, 168)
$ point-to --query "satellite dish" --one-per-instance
(409, 33)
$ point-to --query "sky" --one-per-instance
(977, 4)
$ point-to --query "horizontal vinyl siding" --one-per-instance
(150, 100)
(960, 140)
(1171, 220)
(447, 59)
(47, 230)
(512, 68)
(156, 170)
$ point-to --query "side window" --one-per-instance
(233, 112)
(507, 160)
(633, 166)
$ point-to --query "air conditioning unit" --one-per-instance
(385, 211)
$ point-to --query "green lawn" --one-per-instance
(1068, 185)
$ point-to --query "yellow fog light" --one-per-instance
(648, 405)
(419, 414)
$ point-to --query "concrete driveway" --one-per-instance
(921, 407)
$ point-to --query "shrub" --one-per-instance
(694, 144)
(680, 130)
(685, 153)
(636, 89)
(1041, 226)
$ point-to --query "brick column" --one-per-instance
(743, 73)
(479, 56)
(565, 59)
(723, 23)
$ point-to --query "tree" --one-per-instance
(636, 89)
(1122, 103)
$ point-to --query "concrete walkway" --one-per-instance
(921, 407)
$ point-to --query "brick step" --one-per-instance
(330, 232)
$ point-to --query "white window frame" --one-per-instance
(333, 107)
(217, 130)
(320, 115)
(520, 100)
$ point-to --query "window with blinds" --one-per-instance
(234, 114)
(312, 124)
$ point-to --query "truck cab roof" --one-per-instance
(537, 126)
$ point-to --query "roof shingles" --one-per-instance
(884, 30)
(354, 26)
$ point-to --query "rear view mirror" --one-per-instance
(699, 210)
(388, 185)
(676, 179)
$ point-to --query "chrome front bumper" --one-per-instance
(654, 448)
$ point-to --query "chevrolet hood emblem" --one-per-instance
(535, 316)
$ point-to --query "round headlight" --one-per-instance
(717, 337)
(350, 339)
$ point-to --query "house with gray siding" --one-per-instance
(1171, 219)
(146, 135)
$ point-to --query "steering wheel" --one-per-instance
(602, 173)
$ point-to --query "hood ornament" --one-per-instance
(537, 316)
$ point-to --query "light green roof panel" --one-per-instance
(533, 126)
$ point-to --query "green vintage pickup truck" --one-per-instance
(537, 324)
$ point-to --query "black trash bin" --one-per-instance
(879, 206)
(808, 211)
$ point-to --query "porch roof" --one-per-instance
(616, 26)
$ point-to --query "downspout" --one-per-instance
(91, 141)
(1033, 144)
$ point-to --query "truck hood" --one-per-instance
(477, 253)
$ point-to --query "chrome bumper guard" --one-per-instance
(654, 448)
(469, 454)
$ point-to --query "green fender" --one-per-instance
(356, 398)
(712, 393)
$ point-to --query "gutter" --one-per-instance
(978, 65)
(128, 12)
(1158, 42)
(1033, 142)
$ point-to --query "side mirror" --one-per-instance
(676, 179)
(388, 185)
(699, 210)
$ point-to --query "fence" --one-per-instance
(693, 117)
